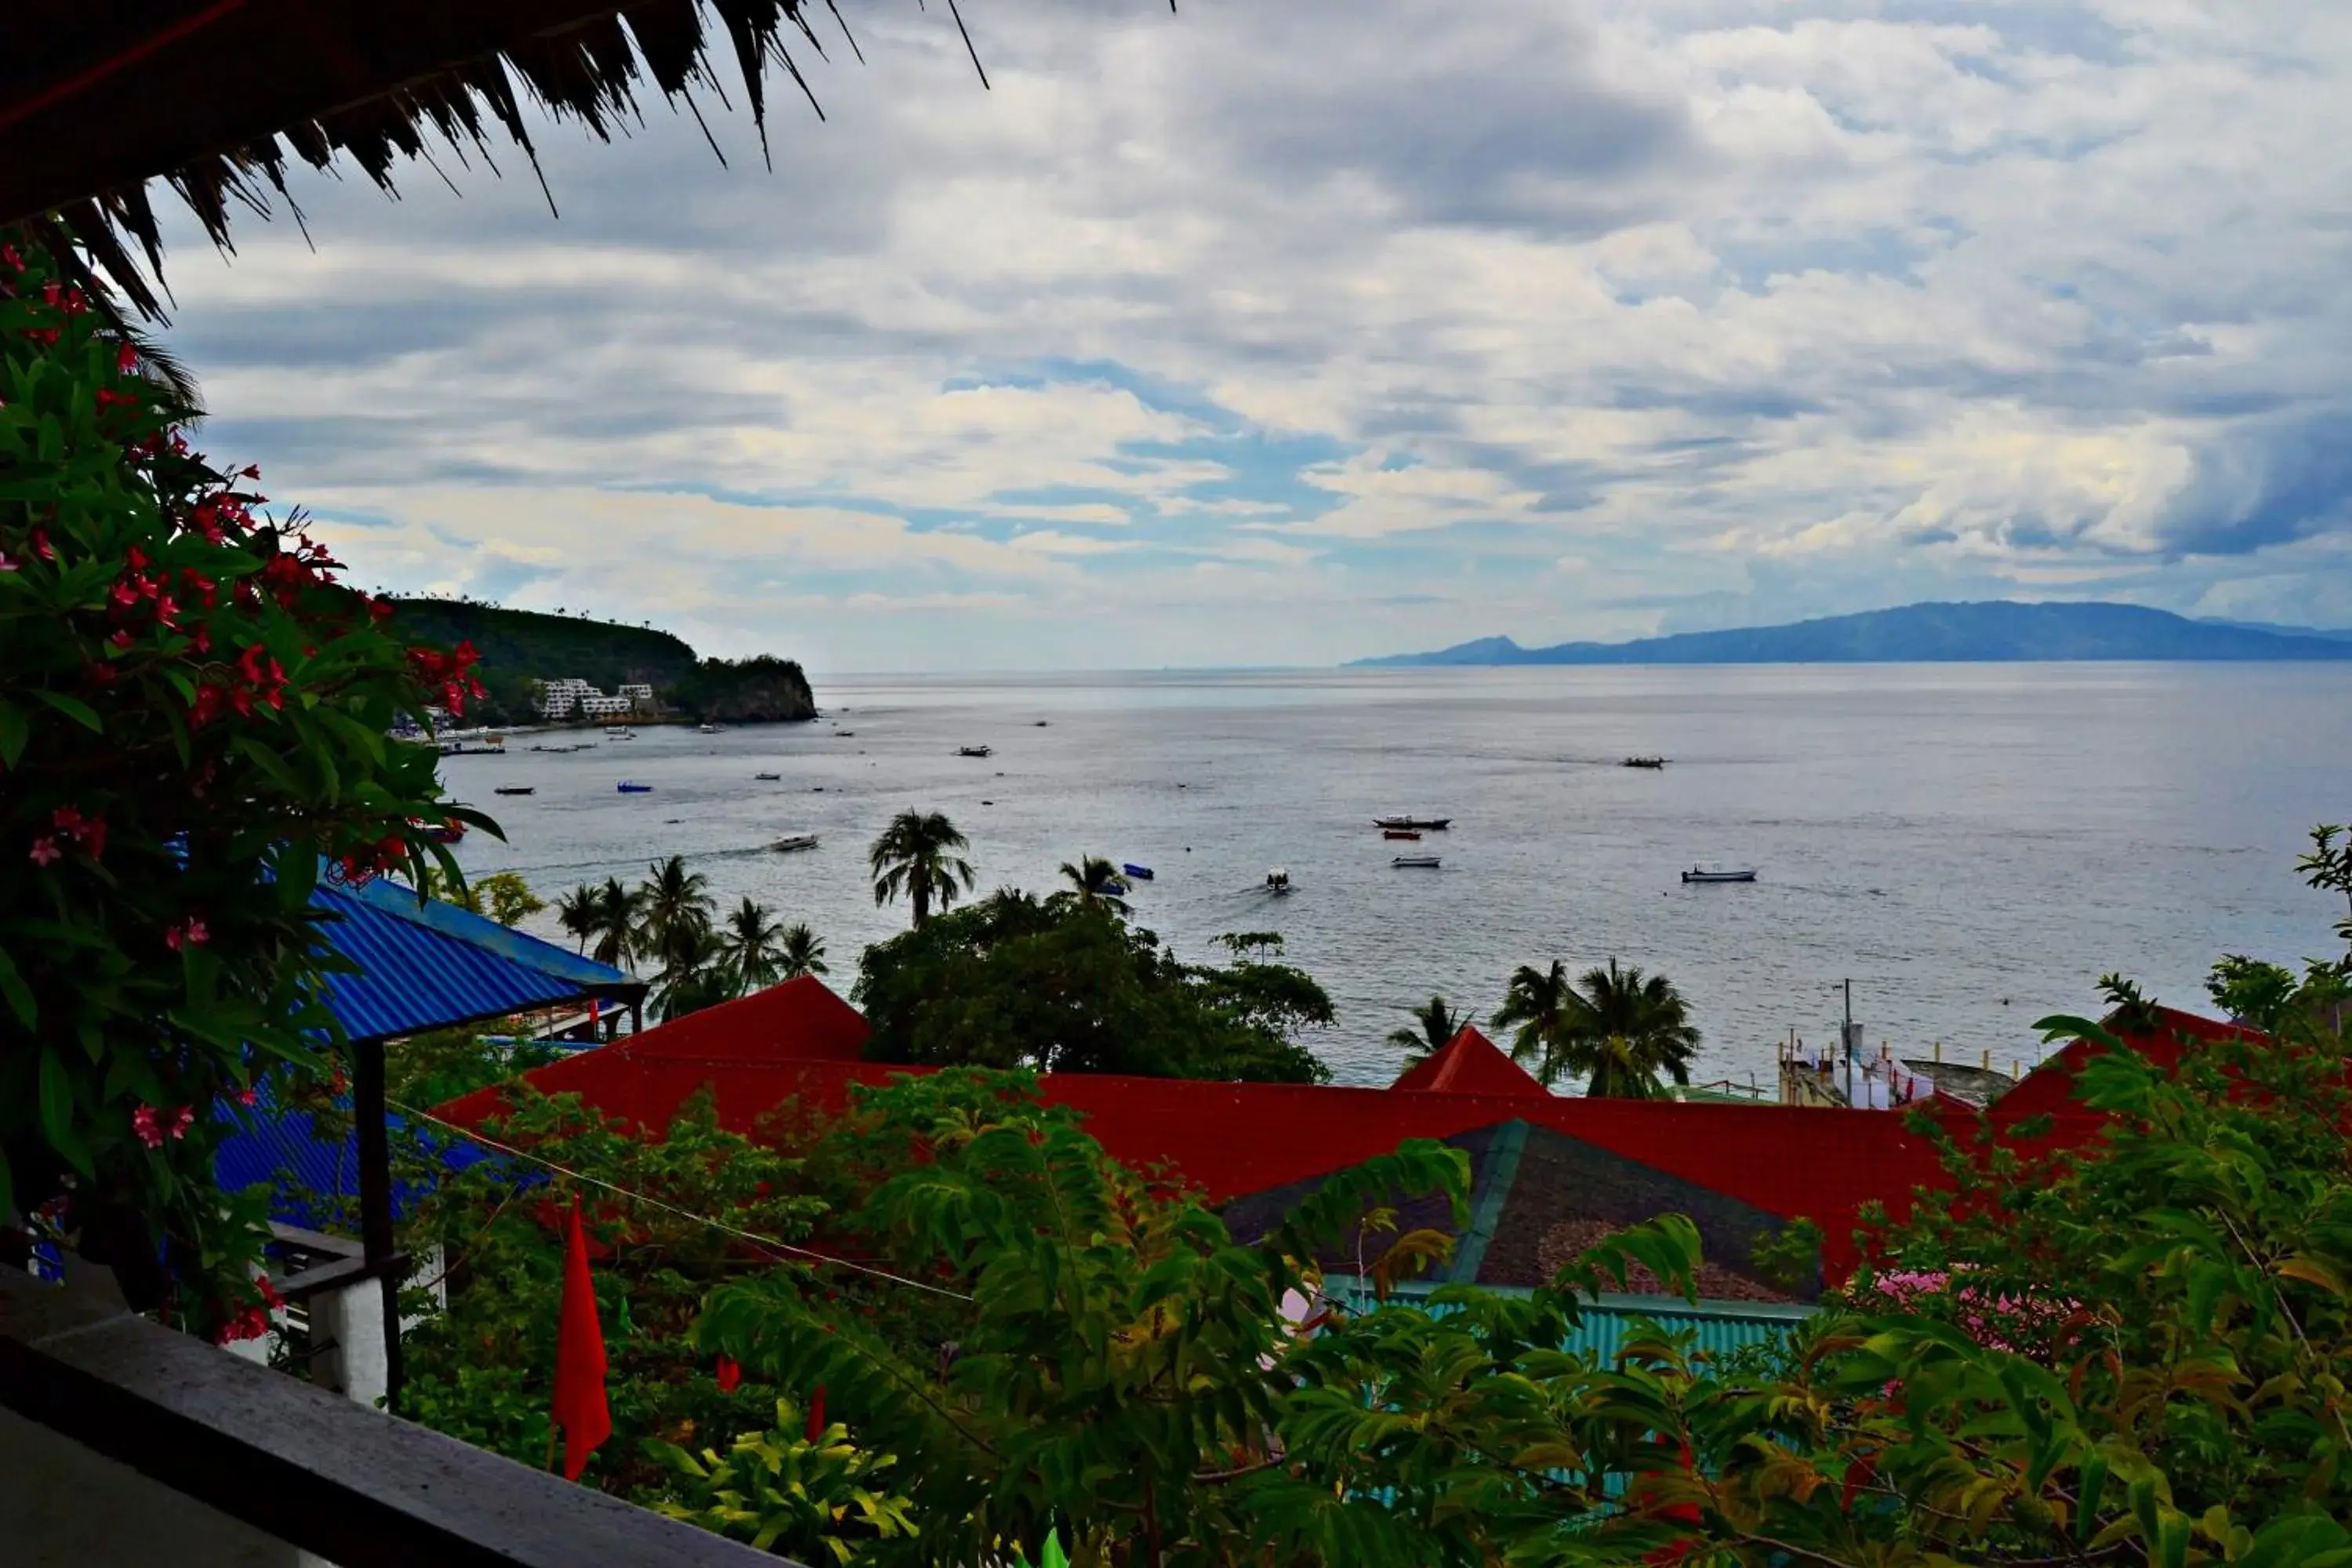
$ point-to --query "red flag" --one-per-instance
(579, 1410)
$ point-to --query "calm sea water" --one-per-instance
(1973, 845)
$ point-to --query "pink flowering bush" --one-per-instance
(193, 717)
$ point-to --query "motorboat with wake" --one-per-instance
(793, 841)
(1278, 879)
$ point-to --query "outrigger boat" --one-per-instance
(1434, 824)
(1718, 874)
(767, 778)
(1415, 862)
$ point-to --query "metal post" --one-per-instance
(375, 1201)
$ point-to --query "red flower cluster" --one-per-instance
(153, 1128)
(73, 827)
(452, 672)
(360, 866)
(189, 933)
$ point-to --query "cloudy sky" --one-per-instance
(1293, 331)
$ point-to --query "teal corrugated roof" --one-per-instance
(424, 965)
(1717, 1327)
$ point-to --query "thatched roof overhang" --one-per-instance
(99, 98)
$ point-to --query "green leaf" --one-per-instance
(19, 996)
(15, 731)
(75, 708)
(57, 1111)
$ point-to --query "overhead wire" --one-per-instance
(771, 1243)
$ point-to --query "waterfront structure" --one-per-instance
(574, 697)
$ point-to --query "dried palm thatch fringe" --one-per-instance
(100, 96)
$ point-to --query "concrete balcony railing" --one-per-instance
(121, 1442)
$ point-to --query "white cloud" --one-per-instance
(1780, 304)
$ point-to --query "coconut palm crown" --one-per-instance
(1624, 1032)
(915, 859)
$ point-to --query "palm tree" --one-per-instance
(695, 973)
(915, 856)
(750, 949)
(1639, 1030)
(1439, 1022)
(674, 912)
(800, 950)
(612, 924)
(575, 912)
(1097, 884)
(1625, 1032)
(1546, 1012)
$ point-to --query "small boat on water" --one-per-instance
(1412, 833)
(627, 787)
(514, 789)
(1415, 862)
(1136, 873)
(1719, 874)
(1277, 880)
(767, 778)
(619, 732)
(447, 832)
(844, 734)
(975, 752)
(1434, 824)
(1651, 763)
(793, 841)
(706, 728)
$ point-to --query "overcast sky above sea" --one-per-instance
(1294, 331)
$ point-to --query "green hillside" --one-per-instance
(520, 646)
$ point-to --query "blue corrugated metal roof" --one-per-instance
(424, 965)
(283, 1149)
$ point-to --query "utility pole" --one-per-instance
(1846, 1038)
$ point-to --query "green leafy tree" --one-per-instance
(915, 859)
(481, 1369)
(1096, 883)
(502, 896)
(1624, 1033)
(786, 1490)
(193, 722)
(1065, 986)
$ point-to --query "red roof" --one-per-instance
(1469, 1063)
(800, 1021)
(2049, 1088)
(1231, 1138)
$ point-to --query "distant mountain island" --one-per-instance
(1992, 630)
(519, 647)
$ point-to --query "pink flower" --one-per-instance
(142, 1122)
(192, 933)
(45, 851)
(246, 1096)
(182, 1119)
